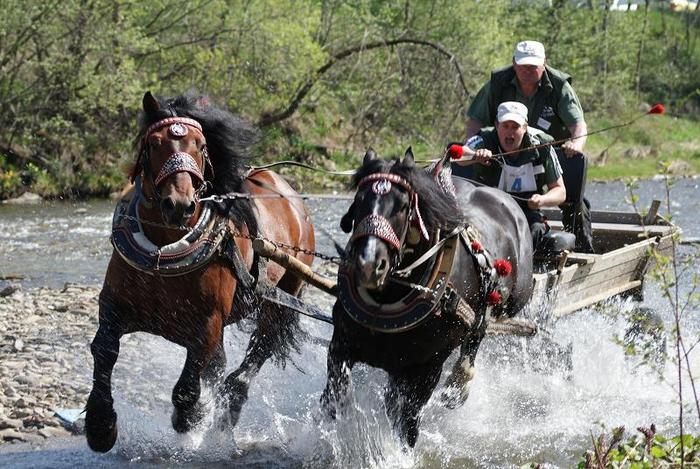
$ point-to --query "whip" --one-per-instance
(458, 152)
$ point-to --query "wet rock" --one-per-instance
(10, 434)
(19, 345)
(680, 168)
(7, 422)
(26, 198)
(50, 432)
(28, 380)
(9, 290)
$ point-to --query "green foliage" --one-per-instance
(72, 74)
(648, 451)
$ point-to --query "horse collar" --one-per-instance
(407, 312)
(191, 252)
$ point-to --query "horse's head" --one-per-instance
(174, 162)
(383, 217)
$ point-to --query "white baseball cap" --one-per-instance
(529, 53)
(512, 111)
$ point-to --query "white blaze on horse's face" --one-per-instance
(177, 159)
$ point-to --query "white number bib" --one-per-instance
(515, 179)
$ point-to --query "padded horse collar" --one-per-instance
(191, 252)
(410, 310)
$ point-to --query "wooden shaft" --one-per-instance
(270, 251)
(266, 249)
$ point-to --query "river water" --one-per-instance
(523, 406)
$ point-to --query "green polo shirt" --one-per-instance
(568, 107)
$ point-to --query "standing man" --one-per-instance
(553, 107)
(524, 172)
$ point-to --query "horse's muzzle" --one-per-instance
(371, 264)
(177, 212)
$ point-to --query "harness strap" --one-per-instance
(231, 252)
(405, 272)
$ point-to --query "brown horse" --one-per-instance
(183, 269)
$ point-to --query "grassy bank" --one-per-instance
(634, 151)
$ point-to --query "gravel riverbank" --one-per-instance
(44, 359)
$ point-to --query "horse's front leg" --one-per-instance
(458, 383)
(339, 367)
(407, 395)
(206, 359)
(276, 332)
(100, 418)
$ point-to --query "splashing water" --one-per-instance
(532, 400)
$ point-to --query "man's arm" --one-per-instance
(578, 139)
(571, 112)
(556, 195)
(473, 127)
(478, 112)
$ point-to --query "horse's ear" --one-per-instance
(348, 218)
(408, 158)
(369, 156)
(150, 103)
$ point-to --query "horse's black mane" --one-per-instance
(229, 139)
(438, 209)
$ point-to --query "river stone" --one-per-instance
(49, 432)
(6, 422)
(27, 379)
(26, 198)
(9, 290)
(19, 345)
(10, 434)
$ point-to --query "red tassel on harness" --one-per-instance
(657, 109)
(493, 298)
(502, 267)
(455, 151)
(476, 246)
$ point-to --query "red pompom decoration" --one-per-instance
(657, 109)
(493, 298)
(455, 151)
(476, 246)
(502, 267)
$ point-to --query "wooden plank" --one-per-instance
(563, 310)
(653, 212)
(583, 284)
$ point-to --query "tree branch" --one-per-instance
(277, 116)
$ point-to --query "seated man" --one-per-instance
(525, 172)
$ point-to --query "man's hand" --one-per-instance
(535, 202)
(578, 133)
(483, 156)
(572, 148)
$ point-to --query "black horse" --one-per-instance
(424, 270)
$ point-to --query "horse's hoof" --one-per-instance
(328, 407)
(184, 420)
(101, 433)
(237, 392)
(456, 391)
